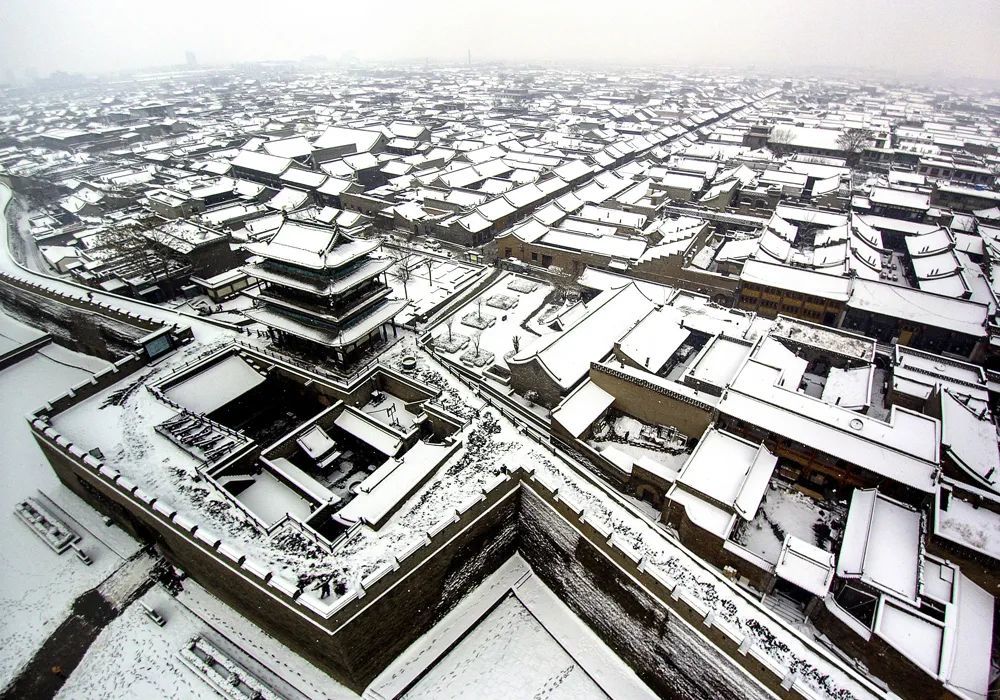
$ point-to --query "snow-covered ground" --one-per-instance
(976, 528)
(785, 511)
(637, 452)
(14, 334)
(510, 637)
(227, 311)
(508, 655)
(633, 437)
(135, 658)
(498, 337)
(38, 586)
(254, 648)
(432, 281)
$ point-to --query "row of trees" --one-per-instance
(851, 140)
(403, 273)
(128, 248)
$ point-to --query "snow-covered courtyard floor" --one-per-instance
(508, 655)
(510, 638)
(503, 323)
(431, 281)
(785, 511)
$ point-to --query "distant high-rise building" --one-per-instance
(191, 60)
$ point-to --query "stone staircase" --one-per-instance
(785, 608)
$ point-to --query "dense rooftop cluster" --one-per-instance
(747, 327)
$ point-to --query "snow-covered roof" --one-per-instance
(357, 329)
(612, 246)
(369, 431)
(387, 487)
(900, 198)
(215, 385)
(969, 438)
(613, 216)
(338, 136)
(566, 356)
(261, 162)
(579, 410)
(654, 339)
(810, 216)
(957, 649)
(903, 448)
(841, 342)
(304, 178)
(882, 544)
(850, 387)
(804, 564)
(917, 372)
(293, 147)
(796, 279)
(287, 199)
(718, 361)
(729, 471)
(957, 315)
(312, 246)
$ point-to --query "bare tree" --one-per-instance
(403, 273)
(516, 341)
(476, 339)
(430, 263)
(129, 249)
(447, 324)
(854, 140)
(779, 140)
(479, 308)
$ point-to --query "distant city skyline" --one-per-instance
(919, 38)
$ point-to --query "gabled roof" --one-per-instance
(969, 438)
(312, 246)
(360, 140)
(566, 355)
(882, 544)
(261, 162)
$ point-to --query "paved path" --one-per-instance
(52, 664)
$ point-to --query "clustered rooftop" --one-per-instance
(760, 314)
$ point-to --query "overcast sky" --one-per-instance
(940, 38)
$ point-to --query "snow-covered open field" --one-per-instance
(135, 658)
(38, 586)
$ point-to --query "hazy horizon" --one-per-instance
(918, 38)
